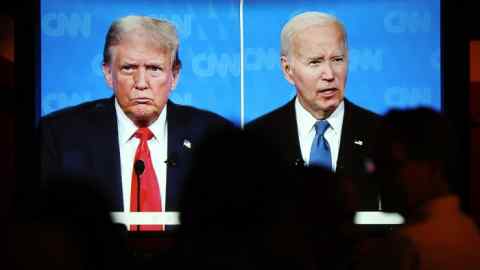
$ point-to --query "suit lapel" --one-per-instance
(104, 151)
(179, 153)
(344, 153)
(290, 139)
(358, 132)
(351, 144)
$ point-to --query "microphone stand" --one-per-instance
(139, 167)
(138, 197)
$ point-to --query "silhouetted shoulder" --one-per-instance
(194, 118)
(78, 112)
(196, 114)
(278, 131)
(360, 112)
(275, 119)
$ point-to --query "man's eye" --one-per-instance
(338, 60)
(155, 68)
(127, 68)
(315, 62)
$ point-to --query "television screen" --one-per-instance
(394, 49)
(230, 52)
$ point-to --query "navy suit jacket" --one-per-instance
(82, 141)
(279, 130)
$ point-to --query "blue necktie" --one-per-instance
(320, 151)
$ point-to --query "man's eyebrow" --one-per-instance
(155, 63)
(128, 65)
(128, 62)
(315, 58)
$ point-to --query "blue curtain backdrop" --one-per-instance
(394, 51)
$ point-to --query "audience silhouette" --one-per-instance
(67, 226)
(414, 164)
(242, 209)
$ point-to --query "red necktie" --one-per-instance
(149, 189)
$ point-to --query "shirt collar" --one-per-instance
(306, 121)
(336, 118)
(126, 127)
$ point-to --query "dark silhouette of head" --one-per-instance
(242, 209)
(413, 158)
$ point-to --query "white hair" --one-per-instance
(303, 21)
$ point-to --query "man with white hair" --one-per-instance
(320, 126)
(136, 145)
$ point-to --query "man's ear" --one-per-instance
(176, 78)
(287, 69)
(107, 74)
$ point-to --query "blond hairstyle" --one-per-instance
(162, 32)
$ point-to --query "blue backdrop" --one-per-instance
(394, 51)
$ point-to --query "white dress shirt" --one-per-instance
(306, 131)
(128, 144)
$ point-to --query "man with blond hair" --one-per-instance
(136, 145)
(320, 127)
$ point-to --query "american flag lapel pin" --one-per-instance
(187, 144)
(358, 142)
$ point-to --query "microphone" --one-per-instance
(171, 162)
(299, 162)
(138, 167)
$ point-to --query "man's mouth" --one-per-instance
(328, 92)
(142, 100)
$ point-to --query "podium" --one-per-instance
(146, 245)
(146, 218)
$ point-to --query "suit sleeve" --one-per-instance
(50, 162)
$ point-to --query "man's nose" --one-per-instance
(327, 72)
(141, 79)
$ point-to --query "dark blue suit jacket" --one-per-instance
(83, 141)
(279, 129)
